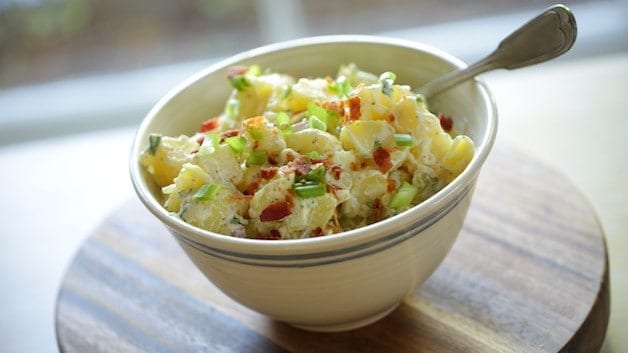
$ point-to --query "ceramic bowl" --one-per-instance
(346, 280)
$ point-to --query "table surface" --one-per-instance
(528, 273)
(570, 115)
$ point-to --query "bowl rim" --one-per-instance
(314, 247)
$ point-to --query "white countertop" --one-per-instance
(571, 115)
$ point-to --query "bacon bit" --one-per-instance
(272, 160)
(268, 172)
(229, 133)
(273, 235)
(354, 166)
(337, 107)
(316, 232)
(289, 157)
(300, 166)
(236, 70)
(210, 124)
(354, 108)
(391, 118)
(252, 187)
(378, 210)
(276, 211)
(336, 171)
(382, 159)
(391, 185)
(445, 122)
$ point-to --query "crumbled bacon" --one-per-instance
(268, 172)
(354, 108)
(229, 133)
(236, 70)
(378, 210)
(445, 122)
(316, 232)
(336, 171)
(391, 185)
(273, 235)
(337, 107)
(210, 124)
(276, 211)
(382, 159)
(252, 187)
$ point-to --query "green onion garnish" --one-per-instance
(404, 140)
(257, 157)
(254, 70)
(210, 143)
(206, 192)
(239, 82)
(313, 155)
(237, 143)
(387, 79)
(153, 143)
(283, 123)
(340, 87)
(256, 134)
(309, 189)
(317, 123)
(420, 99)
(404, 196)
(317, 174)
(232, 109)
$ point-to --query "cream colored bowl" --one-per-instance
(346, 280)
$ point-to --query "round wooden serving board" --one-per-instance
(528, 273)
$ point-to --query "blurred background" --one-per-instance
(101, 63)
(77, 77)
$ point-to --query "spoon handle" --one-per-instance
(544, 37)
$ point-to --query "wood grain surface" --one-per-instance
(529, 273)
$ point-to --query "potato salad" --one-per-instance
(292, 158)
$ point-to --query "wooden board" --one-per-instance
(529, 273)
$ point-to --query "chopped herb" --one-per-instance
(239, 82)
(257, 157)
(153, 143)
(404, 196)
(420, 98)
(206, 192)
(404, 140)
(309, 189)
(237, 143)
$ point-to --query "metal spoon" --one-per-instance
(544, 37)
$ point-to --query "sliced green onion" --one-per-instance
(404, 140)
(317, 174)
(153, 143)
(317, 123)
(287, 91)
(254, 70)
(387, 79)
(404, 196)
(239, 82)
(420, 99)
(210, 143)
(313, 155)
(309, 189)
(232, 109)
(206, 192)
(237, 143)
(283, 123)
(315, 110)
(340, 86)
(257, 157)
(256, 134)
